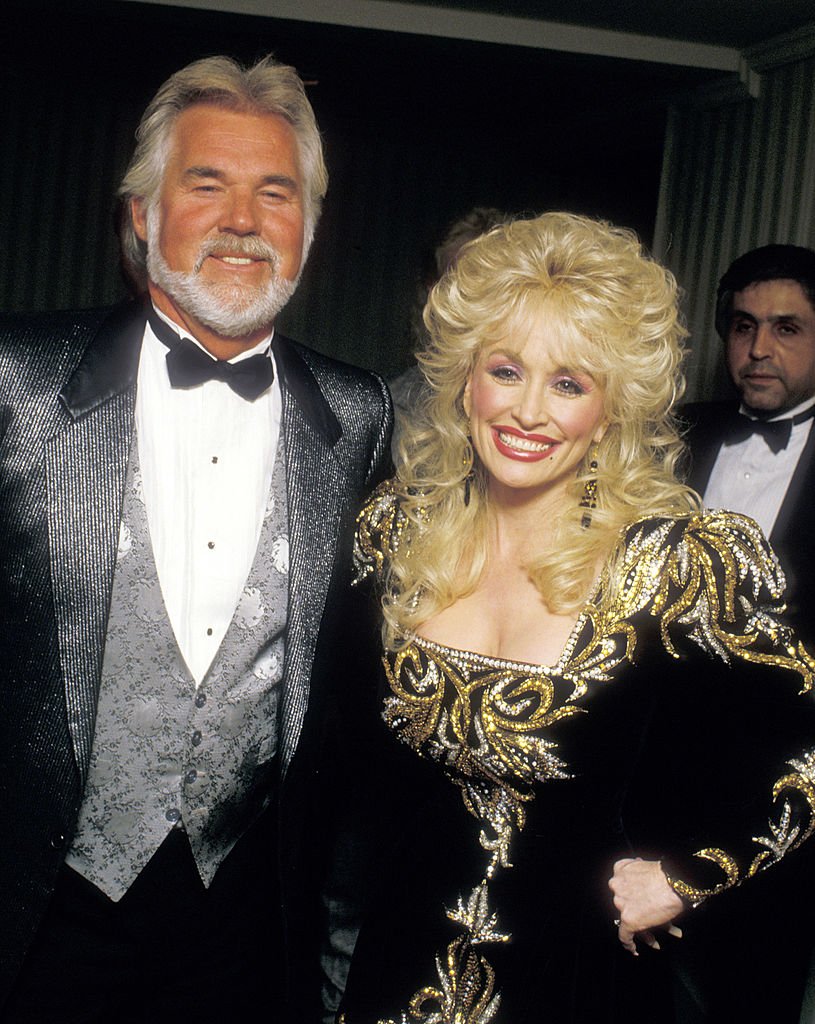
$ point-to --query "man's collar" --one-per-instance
(111, 361)
(259, 348)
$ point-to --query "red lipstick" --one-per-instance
(535, 446)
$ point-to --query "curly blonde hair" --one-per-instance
(617, 309)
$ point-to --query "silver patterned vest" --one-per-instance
(167, 754)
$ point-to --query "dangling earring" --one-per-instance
(468, 461)
(589, 499)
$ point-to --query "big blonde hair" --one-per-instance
(619, 310)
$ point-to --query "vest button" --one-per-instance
(200, 700)
(196, 738)
(172, 814)
(191, 776)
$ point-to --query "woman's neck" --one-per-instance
(524, 525)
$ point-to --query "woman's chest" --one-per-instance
(505, 618)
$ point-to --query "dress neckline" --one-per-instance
(489, 661)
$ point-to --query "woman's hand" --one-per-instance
(644, 900)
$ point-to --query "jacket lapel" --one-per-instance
(792, 516)
(317, 500)
(86, 466)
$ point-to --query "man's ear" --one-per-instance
(138, 214)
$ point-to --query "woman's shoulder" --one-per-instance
(709, 576)
(381, 524)
(715, 519)
(717, 540)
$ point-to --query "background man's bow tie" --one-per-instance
(188, 365)
(776, 433)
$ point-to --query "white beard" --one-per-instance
(230, 310)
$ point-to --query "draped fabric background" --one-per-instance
(739, 172)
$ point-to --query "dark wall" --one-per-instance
(417, 130)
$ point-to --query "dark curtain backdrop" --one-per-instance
(417, 131)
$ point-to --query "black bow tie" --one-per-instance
(188, 365)
(776, 433)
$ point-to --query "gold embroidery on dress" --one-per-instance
(380, 526)
(467, 980)
(485, 720)
(690, 593)
(785, 834)
(489, 738)
(696, 896)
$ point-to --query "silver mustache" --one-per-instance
(232, 245)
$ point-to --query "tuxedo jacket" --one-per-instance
(67, 392)
(792, 536)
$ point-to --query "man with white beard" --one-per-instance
(177, 490)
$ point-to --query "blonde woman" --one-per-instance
(573, 649)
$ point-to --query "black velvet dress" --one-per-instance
(677, 724)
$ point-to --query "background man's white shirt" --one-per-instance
(749, 477)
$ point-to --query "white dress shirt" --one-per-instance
(206, 458)
(749, 477)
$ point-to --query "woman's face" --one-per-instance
(532, 416)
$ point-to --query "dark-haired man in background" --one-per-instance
(756, 455)
(178, 485)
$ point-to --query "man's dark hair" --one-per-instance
(769, 263)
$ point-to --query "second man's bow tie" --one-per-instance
(188, 365)
(776, 433)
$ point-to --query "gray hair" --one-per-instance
(267, 87)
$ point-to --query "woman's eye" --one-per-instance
(504, 373)
(568, 386)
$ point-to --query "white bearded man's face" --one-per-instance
(234, 308)
(225, 233)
